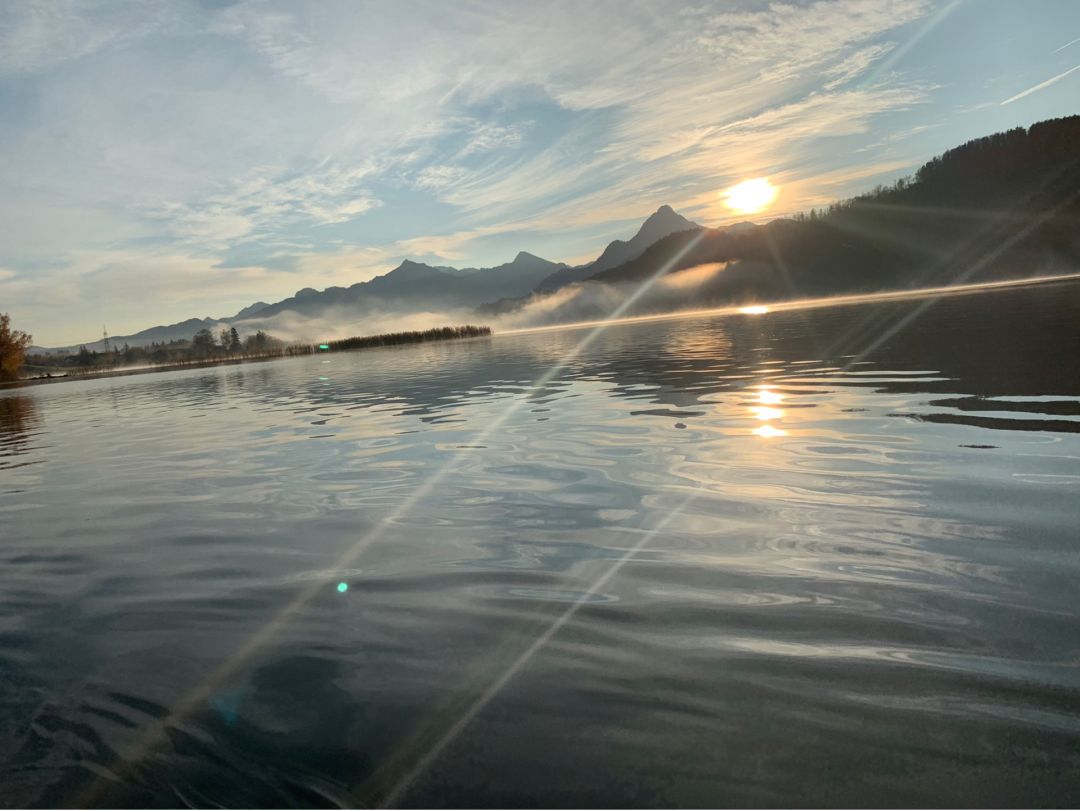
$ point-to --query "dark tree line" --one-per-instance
(203, 347)
(398, 338)
(13, 346)
(1004, 206)
(228, 346)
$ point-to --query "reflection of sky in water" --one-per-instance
(824, 527)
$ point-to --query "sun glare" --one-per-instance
(751, 196)
(756, 309)
(767, 431)
(765, 412)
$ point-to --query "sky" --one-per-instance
(182, 159)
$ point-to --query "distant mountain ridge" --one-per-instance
(1003, 206)
(663, 222)
(416, 287)
(411, 286)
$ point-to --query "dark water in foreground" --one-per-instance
(711, 561)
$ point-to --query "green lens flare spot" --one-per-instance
(324, 347)
(342, 587)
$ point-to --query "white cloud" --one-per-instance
(271, 198)
(487, 137)
(438, 177)
(856, 64)
(39, 34)
(536, 118)
(785, 38)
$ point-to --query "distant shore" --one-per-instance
(295, 350)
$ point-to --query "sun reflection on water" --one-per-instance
(764, 412)
(768, 431)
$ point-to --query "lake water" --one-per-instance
(825, 557)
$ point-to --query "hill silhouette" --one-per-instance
(663, 222)
(1003, 206)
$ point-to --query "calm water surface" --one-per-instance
(811, 558)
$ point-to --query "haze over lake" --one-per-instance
(821, 557)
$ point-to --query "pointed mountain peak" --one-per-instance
(662, 222)
(525, 256)
(667, 217)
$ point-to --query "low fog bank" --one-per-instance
(704, 285)
(338, 323)
(589, 300)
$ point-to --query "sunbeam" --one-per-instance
(257, 640)
(429, 757)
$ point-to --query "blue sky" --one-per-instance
(174, 159)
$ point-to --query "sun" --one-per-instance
(751, 196)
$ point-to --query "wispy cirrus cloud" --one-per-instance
(38, 34)
(269, 199)
(438, 177)
(856, 65)
(289, 144)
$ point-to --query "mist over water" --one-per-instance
(578, 302)
(854, 579)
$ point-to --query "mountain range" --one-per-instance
(1003, 206)
(660, 224)
(413, 287)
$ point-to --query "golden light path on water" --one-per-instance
(229, 667)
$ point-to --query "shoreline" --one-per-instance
(128, 372)
(353, 344)
(777, 306)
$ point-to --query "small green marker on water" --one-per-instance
(342, 587)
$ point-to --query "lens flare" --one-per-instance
(342, 587)
(756, 309)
